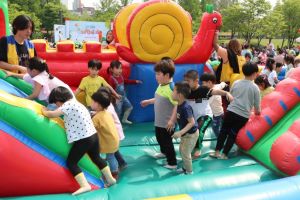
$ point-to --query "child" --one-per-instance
(43, 82)
(215, 101)
(106, 129)
(164, 110)
(289, 63)
(121, 162)
(91, 83)
(189, 132)
(116, 80)
(263, 84)
(198, 100)
(247, 57)
(270, 72)
(84, 138)
(246, 95)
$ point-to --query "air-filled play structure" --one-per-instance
(33, 148)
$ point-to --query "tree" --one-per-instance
(291, 12)
(14, 10)
(233, 18)
(194, 8)
(254, 11)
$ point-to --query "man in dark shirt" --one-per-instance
(23, 27)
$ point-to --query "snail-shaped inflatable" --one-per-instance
(148, 31)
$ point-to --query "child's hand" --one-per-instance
(44, 110)
(170, 125)
(176, 135)
(139, 82)
(144, 103)
(229, 97)
(8, 73)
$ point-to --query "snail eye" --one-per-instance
(215, 20)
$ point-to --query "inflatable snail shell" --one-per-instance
(148, 31)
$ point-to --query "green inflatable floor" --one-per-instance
(146, 178)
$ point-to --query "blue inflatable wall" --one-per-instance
(146, 90)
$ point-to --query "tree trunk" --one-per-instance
(270, 40)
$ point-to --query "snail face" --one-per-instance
(215, 20)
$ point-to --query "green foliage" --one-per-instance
(194, 8)
(291, 12)
(233, 18)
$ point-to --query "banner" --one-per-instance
(59, 32)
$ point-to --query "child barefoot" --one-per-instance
(81, 132)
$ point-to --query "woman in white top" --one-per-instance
(39, 77)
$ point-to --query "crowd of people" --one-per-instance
(194, 103)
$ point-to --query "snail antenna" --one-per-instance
(209, 8)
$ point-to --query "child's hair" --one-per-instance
(208, 77)
(95, 64)
(269, 64)
(278, 65)
(60, 94)
(289, 59)
(262, 80)
(165, 66)
(247, 55)
(250, 68)
(22, 22)
(102, 97)
(106, 89)
(183, 88)
(192, 75)
(113, 64)
(39, 65)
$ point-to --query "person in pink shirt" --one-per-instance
(263, 57)
(39, 77)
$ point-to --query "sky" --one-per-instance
(91, 3)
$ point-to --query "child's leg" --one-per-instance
(113, 164)
(159, 137)
(127, 107)
(78, 149)
(167, 145)
(118, 107)
(239, 122)
(122, 163)
(216, 124)
(186, 147)
(93, 152)
(203, 123)
(228, 123)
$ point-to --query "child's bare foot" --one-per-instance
(197, 154)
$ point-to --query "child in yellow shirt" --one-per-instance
(91, 83)
(106, 129)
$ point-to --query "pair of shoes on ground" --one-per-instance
(183, 171)
(218, 155)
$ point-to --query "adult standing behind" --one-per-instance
(16, 49)
(109, 40)
(232, 60)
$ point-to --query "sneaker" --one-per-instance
(223, 157)
(215, 154)
(159, 155)
(126, 121)
(181, 170)
(170, 166)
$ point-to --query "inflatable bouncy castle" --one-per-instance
(33, 148)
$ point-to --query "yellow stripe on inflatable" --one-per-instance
(177, 197)
(120, 23)
(25, 103)
(160, 29)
